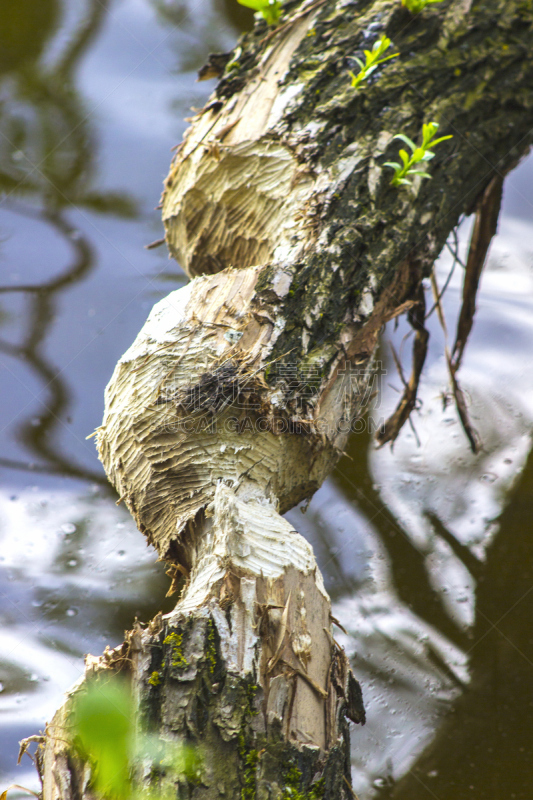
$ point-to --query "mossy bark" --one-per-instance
(332, 219)
(243, 748)
(280, 205)
(265, 719)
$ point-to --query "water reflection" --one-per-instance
(74, 573)
(408, 669)
(441, 626)
(47, 157)
(486, 743)
(36, 433)
(202, 27)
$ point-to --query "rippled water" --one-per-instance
(425, 549)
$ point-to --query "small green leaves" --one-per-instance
(416, 6)
(418, 155)
(373, 59)
(270, 9)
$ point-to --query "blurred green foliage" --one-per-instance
(105, 736)
(103, 722)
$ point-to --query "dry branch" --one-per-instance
(485, 223)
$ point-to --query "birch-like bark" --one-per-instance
(236, 399)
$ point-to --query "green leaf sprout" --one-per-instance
(270, 9)
(416, 6)
(373, 59)
(418, 155)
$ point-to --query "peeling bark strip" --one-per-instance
(236, 398)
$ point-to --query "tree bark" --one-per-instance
(237, 397)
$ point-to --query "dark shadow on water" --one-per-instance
(409, 571)
(484, 748)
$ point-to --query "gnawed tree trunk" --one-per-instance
(237, 397)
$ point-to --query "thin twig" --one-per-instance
(458, 394)
(398, 365)
(415, 433)
(18, 786)
(456, 260)
(485, 224)
(280, 639)
(347, 782)
(312, 683)
(455, 251)
(153, 245)
(403, 410)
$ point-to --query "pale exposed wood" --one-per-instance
(165, 461)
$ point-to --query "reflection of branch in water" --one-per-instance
(408, 563)
(39, 438)
(88, 29)
(339, 583)
(48, 153)
(463, 553)
(485, 748)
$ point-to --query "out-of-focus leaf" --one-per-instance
(104, 726)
